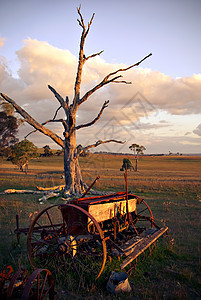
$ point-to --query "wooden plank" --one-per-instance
(106, 211)
(129, 246)
(142, 246)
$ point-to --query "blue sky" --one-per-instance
(167, 85)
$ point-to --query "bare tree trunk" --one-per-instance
(72, 172)
(136, 158)
(26, 168)
(81, 186)
(69, 164)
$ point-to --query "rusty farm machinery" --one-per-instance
(77, 237)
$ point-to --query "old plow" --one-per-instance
(79, 236)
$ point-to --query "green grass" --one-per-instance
(172, 188)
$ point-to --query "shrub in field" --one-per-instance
(126, 164)
(21, 154)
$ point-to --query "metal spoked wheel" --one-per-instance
(143, 218)
(16, 285)
(40, 285)
(67, 240)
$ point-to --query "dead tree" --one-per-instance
(73, 179)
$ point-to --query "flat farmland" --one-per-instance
(170, 184)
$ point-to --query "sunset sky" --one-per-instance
(161, 109)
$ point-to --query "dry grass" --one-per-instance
(171, 186)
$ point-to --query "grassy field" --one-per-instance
(171, 186)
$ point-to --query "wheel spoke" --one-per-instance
(38, 285)
(44, 282)
(142, 211)
(52, 224)
(82, 264)
(47, 291)
(46, 263)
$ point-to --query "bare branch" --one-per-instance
(93, 55)
(44, 123)
(89, 24)
(67, 100)
(82, 59)
(106, 79)
(33, 122)
(64, 104)
(56, 112)
(26, 136)
(132, 66)
(53, 121)
(81, 21)
(105, 104)
(81, 149)
(122, 81)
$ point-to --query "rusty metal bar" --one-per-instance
(126, 181)
(84, 194)
(152, 217)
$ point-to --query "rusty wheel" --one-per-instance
(40, 285)
(67, 240)
(17, 283)
(46, 233)
(143, 218)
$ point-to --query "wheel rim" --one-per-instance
(40, 285)
(143, 219)
(17, 283)
(43, 236)
(58, 245)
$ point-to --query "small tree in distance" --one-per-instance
(138, 150)
(22, 153)
(127, 164)
(73, 179)
(47, 151)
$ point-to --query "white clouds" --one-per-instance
(198, 130)
(43, 64)
(8, 84)
(151, 91)
(177, 96)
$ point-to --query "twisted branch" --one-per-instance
(64, 104)
(82, 60)
(106, 80)
(57, 112)
(81, 149)
(105, 104)
(48, 121)
(29, 119)
(93, 55)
